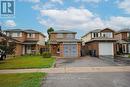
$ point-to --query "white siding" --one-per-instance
(98, 34)
(86, 38)
(129, 48)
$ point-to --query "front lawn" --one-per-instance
(21, 80)
(25, 62)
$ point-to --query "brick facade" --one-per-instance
(57, 43)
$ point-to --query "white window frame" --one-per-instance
(95, 35)
(16, 34)
(30, 35)
(71, 36)
(107, 34)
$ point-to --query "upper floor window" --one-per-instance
(59, 35)
(70, 36)
(30, 35)
(18, 34)
(94, 35)
(107, 34)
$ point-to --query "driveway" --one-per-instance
(88, 61)
(77, 78)
(88, 80)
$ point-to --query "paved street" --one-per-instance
(89, 72)
(88, 80)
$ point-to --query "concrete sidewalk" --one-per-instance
(71, 70)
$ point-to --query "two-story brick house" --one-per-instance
(30, 40)
(64, 44)
(99, 42)
(123, 43)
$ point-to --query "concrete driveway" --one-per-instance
(88, 61)
(88, 80)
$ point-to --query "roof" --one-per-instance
(121, 41)
(97, 31)
(102, 39)
(10, 39)
(93, 31)
(14, 30)
(31, 31)
(123, 30)
(26, 31)
(63, 31)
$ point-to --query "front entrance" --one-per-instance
(70, 50)
(29, 49)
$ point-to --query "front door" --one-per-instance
(70, 50)
(28, 49)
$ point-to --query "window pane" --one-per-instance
(70, 36)
(59, 35)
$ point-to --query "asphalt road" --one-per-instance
(88, 80)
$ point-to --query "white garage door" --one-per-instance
(106, 49)
(129, 47)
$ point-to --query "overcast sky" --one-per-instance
(75, 15)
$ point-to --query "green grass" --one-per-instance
(21, 80)
(25, 62)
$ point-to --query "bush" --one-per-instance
(46, 55)
(129, 56)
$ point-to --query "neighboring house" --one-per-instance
(30, 40)
(6, 40)
(64, 44)
(99, 42)
(123, 43)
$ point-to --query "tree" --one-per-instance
(50, 30)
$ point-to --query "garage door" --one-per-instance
(129, 48)
(70, 50)
(106, 49)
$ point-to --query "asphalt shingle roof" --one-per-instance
(124, 30)
(63, 31)
(26, 31)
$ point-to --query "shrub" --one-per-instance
(129, 56)
(46, 54)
